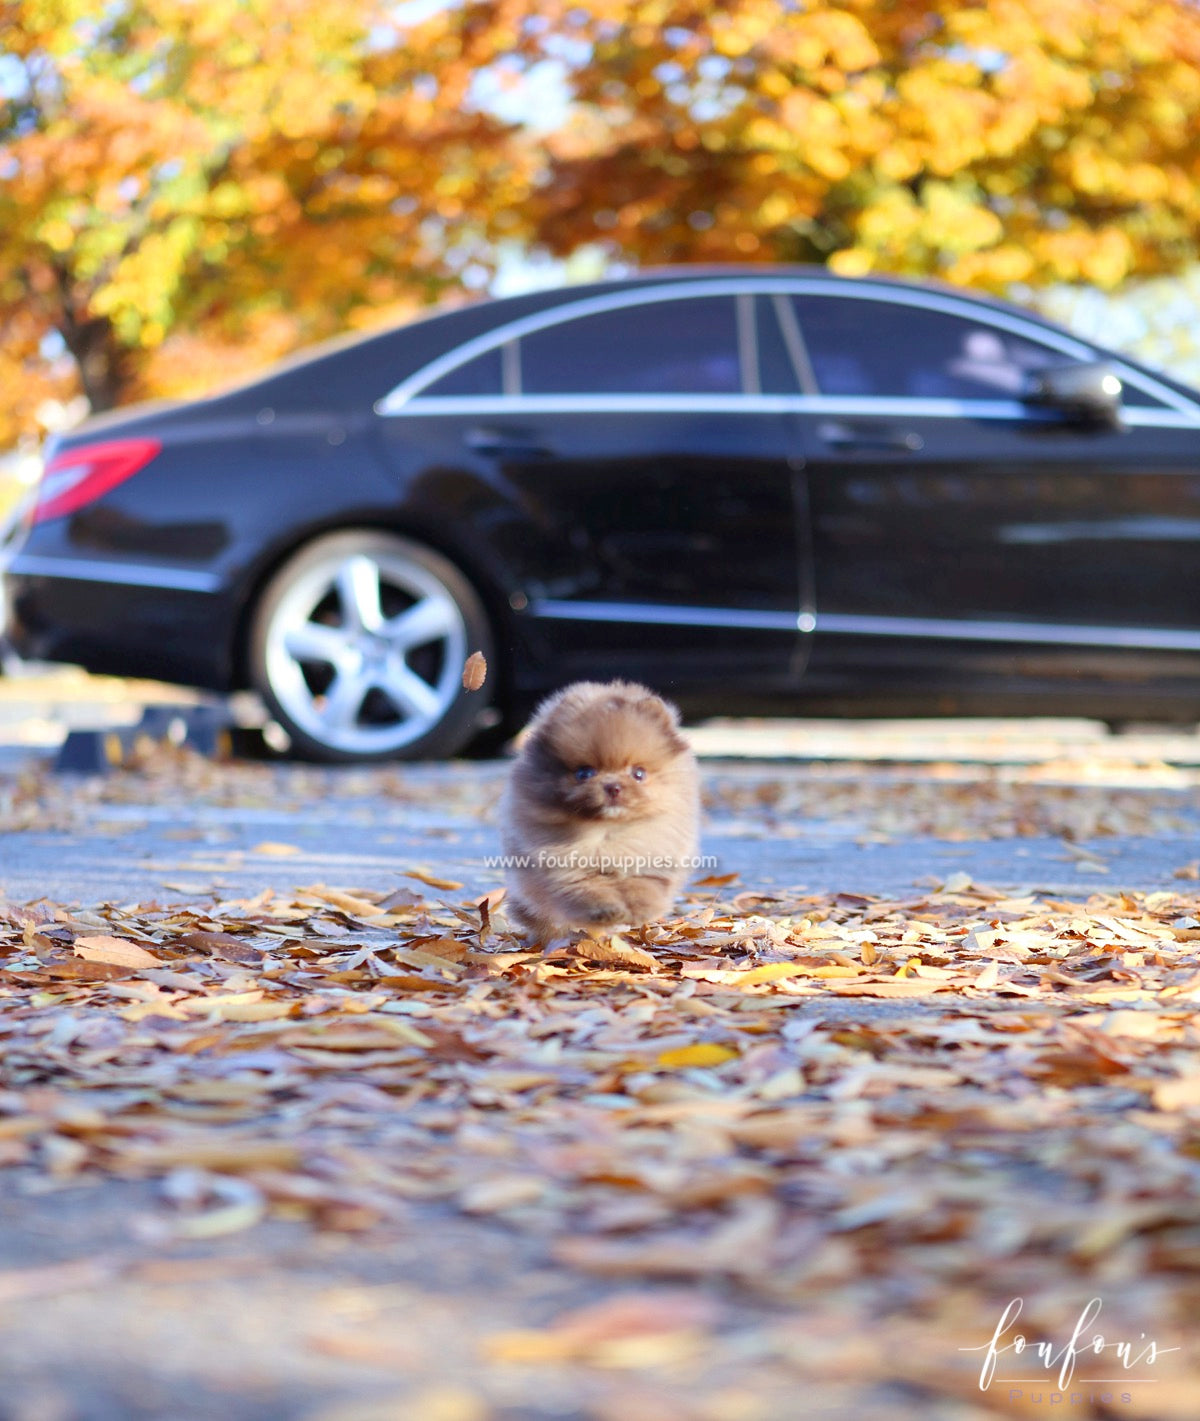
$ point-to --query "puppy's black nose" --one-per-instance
(612, 788)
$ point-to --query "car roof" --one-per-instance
(403, 349)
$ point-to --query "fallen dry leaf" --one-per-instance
(731, 1100)
(1183, 1093)
(616, 952)
(474, 671)
(703, 1053)
(424, 876)
(507, 1191)
(115, 951)
(18, 1284)
(626, 1330)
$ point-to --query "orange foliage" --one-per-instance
(1015, 141)
(187, 190)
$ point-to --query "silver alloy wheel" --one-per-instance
(364, 651)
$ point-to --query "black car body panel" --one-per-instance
(765, 488)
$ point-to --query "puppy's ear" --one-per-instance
(661, 712)
(664, 717)
(541, 753)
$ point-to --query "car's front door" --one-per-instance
(656, 530)
(959, 532)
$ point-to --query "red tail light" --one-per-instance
(79, 476)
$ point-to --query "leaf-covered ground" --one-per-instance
(783, 1155)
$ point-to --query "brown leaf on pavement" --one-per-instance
(114, 951)
(844, 1114)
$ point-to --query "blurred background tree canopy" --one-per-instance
(1018, 141)
(187, 189)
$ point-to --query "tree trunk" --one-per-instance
(103, 363)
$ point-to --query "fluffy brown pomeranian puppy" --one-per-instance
(600, 817)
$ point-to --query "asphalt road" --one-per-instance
(244, 828)
(179, 851)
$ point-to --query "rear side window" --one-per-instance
(482, 376)
(681, 347)
(860, 346)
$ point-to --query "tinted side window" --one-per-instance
(681, 347)
(481, 376)
(867, 347)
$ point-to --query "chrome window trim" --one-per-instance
(893, 407)
(839, 624)
(127, 574)
(747, 342)
(666, 616)
(398, 400)
(1045, 634)
(510, 369)
(1139, 417)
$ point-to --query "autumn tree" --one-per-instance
(190, 187)
(1013, 141)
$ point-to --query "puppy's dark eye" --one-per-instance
(584, 772)
(638, 773)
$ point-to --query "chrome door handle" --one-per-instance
(510, 443)
(850, 436)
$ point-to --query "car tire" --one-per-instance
(357, 647)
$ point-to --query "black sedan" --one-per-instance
(761, 489)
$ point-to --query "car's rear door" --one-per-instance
(646, 491)
(961, 534)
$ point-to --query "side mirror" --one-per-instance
(1088, 393)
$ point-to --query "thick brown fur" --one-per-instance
(607, 849)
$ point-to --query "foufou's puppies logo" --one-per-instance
(1040, 1363)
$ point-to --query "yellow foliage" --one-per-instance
(852, 261)
(220, 160)
(325, 164)
(1022, 140)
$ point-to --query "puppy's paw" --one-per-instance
(645, 899)
(600, 910)
(530, 922)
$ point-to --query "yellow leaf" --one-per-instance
(275, 850)
(250, 1011)
(774, 972)
(703, 1053)
(778, 971)
(423, 877)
